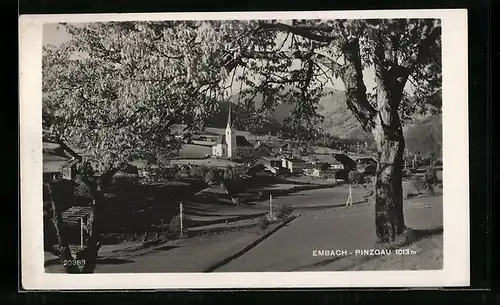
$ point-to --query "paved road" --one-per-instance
(291, 248)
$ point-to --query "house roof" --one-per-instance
(240, 140)
(51, 157)
(365, 160)
(74, 213)
(270, 159)
(295, 160)
(259, 145)
(56, 156)
(345, 160)
(53, 166)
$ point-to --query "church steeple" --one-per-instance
(229, 122)
(230, 136)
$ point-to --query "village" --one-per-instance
(191, 147)
(221, 181)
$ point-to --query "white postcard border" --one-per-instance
(455, 173)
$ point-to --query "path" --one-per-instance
(291, 248)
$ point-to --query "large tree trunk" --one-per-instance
(92, 244)
(389, 219)
(384, 123)
(91, 252)
(388, 134)
(64, 250)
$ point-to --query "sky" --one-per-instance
(55, 35)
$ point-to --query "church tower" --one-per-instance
(230, 136)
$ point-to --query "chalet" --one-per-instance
(255, 169)
(269, 161)
(59, 161)
(365, 161)
(273, 165)
(295, 165)
(344, 162)
(321, 173)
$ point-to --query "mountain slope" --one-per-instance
(339, 121)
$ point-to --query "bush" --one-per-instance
(431, 180)
(418, 184)
(356, 177)
(284, 211)
(210, 176)
(263, 223)
(198, 172)
(174, 225)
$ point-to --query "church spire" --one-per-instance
(229, 122)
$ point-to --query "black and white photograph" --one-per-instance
(271, 146)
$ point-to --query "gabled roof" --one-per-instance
(365, 160)
(240, 141)
(270, 158)
(295, 160)
(261, 145)
(345, 160)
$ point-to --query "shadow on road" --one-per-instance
(320, 264)
(165, 248)
(113, 261)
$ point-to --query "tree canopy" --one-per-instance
(116, 88)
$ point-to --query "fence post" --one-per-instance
(270, 207)
(81, 232)
(181, 215)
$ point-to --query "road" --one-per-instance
(291, 248)
(324, 224)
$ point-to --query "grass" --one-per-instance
(194, 151)
(429, 256)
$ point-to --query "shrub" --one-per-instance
(263, 223)
(430, 179)
(284, 211)
(418, 184)
(198, 172)
(174, 225)
(356, 177)
(209, 176)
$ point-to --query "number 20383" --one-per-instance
(74, 262)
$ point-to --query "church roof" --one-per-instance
(240, 140)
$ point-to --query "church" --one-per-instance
(230, 145)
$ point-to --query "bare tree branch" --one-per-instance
(303, 32)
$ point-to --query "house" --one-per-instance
(367, 168)
(295, 165)
(59, 161)
(255, 169)
(321, 173)
(269, 161)
(262, 149)
(365, 161)
(230, 145)
(273, 165)
(344, 162)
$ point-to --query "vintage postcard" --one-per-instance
(244, 150)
